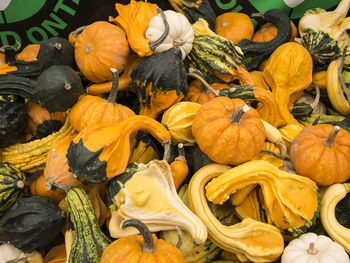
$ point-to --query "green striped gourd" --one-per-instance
(12, 184)
(89, 241)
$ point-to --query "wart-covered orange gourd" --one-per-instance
(98, 48)
(91, 110)
(228, 131)
(322, 153)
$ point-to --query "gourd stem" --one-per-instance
(181, 156)
(20, 184)
(235, 118)
(279, 156)
(329, 142)
(167, 149)
(312, 250)
(282, 146)
(179, 234)
(197, 75)
(316, 121)
(317, 98)
(114, 90)
(78, 31)
(340, 72)
(52, 185)
(153, 45)
(148, 244)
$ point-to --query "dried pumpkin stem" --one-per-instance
(340, 72)
(329, 142)
(20, 184)
(153, 45)
(312, 250)
(115, 84)
(235, 118)
(317, 98)
(78, 31)
(167, 150)
(181, 156)
(282, 146)
(148, 244)
(195, 73)
(316, 121)
(279, 156)
(179, 235)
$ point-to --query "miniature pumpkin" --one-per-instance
(180, 33)
(311, 247)
(223, 128)
(134, 18)
(198, 93)
(92, 110)
(42, 123)
(98, 48)
(28, 53)
(178, 121)
(234, 26)
(321, 152)
(56, 168)
(142, 249)
(159, 82)
(268, 31)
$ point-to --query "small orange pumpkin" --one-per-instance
(42, 123)
(269, 31)
(228, 131)
(142, 249)
(234, 26)
(91, 110)
(98, 48)
(322, 153)
(28, 53)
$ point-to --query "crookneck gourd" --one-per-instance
(134, 18)
(216, 57)
(291, 202)
(102, 152)
(91, 110)
(256, 52)
(147, 192)
(224, 128)
(250, 239)
(288, 72)
(321, 152)
(159, 82)
(12, 185)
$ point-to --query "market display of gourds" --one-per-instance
(179, 136)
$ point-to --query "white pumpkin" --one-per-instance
(8, 252)
(314, 248)
(181, 34)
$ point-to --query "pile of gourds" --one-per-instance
(179, 136)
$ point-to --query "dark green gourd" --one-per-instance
(256, 52)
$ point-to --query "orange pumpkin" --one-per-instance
(234, 26)
(57, 168)
(141, 249)
(42, 123)
(38, 187)
(98, 48)
(269, 31)
(228, 131)
(91, 110)
(322, 153)
(28, 53)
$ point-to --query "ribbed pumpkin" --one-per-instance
(12, 184)
(322, 153)
(228, 131)
(144, 248)
(98, 48)
(91, 110)
(234, 26)
(56, 168)
(178, 121)
(28, 53)
(42, 123)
